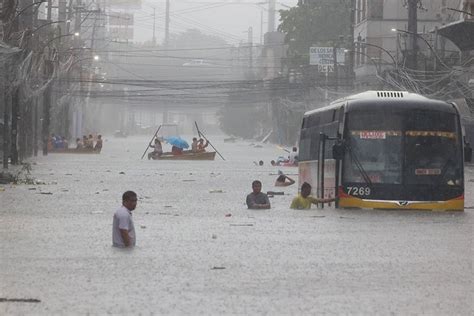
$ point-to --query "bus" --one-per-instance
(385, 150)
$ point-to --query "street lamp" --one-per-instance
(424, 40)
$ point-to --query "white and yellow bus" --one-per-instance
(385, 149)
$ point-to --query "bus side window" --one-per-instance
(340, 120)
(314, 154)
(304, 124)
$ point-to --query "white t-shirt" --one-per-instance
(293, 156)
(123, 220)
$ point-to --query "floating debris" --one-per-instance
(188, 180)
(216, 191)
(228, 215)
(275, 193)
(217, 268)
(241, 224)
(46, 193)
(20, 300)
(121, 172)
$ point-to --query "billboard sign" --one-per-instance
(324, 57)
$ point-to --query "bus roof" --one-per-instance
(383, 98)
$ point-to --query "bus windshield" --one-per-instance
(405, 147)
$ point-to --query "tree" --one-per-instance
(317, 22)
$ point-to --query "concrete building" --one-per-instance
(374, 22)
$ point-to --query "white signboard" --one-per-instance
(324, 57)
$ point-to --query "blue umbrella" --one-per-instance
(177, 141)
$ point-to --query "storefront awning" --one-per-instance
(461, 33)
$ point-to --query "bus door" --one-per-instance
(328, 169)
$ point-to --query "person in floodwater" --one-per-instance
(257, 200)
(303, 201)
(123, 230)
(281, 181)
(157, 150)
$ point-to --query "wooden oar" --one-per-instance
(207, 140)
(279, 147)
(156, 133)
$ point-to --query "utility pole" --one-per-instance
(351, 74)
(9, 11)
(50, 8)
(6, 104)
(62, 7)
(250, 40)
(336, 75)
(167, 24)
(413, 30)
(46, 107)
(14, 128)
(271, 15)
(154, 27)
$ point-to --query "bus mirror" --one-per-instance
(338, 151)
(467, 153)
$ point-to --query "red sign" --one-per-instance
(373, 135)
(427, 172)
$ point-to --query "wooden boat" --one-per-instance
(188, 155)
(73, 151)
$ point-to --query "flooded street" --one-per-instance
(200, 251)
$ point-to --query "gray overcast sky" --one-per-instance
(229, 19)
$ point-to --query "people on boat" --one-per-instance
(257, 199)
(64, 142)
(98, 144)
(85, 141)
(79, 143)
(201, 147)
(176, 150)
(157, 150)
(194, 145)
(90, 142)
(283, 181)
(304, 200)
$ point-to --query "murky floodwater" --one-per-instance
(201, 251)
